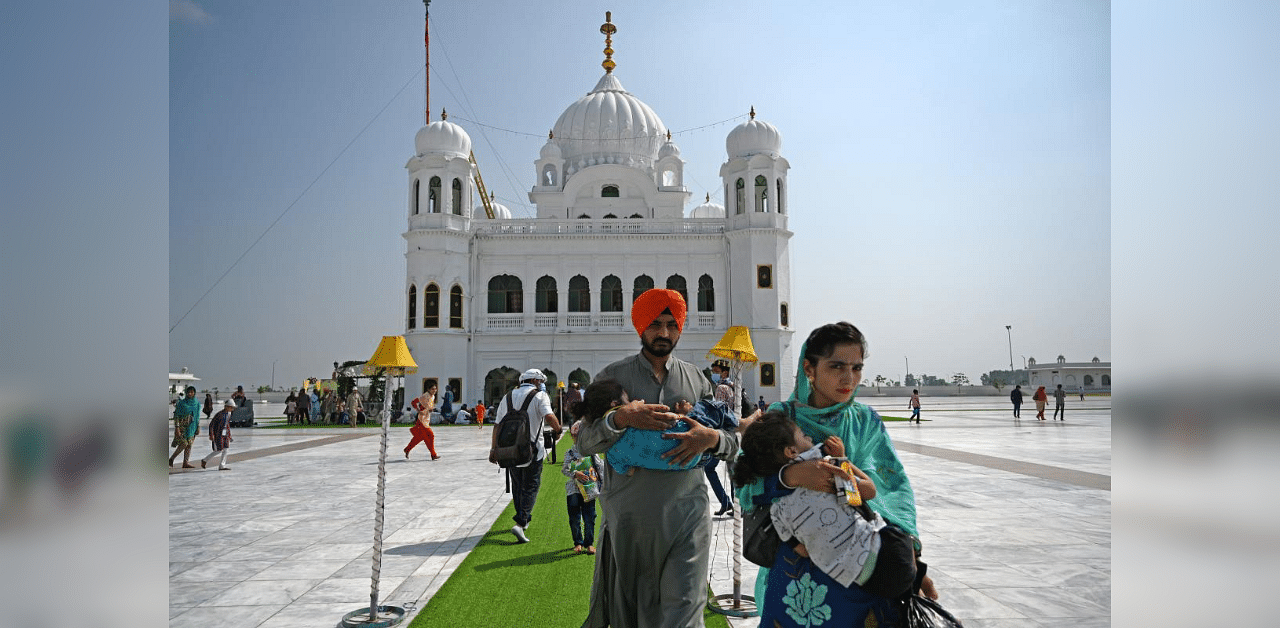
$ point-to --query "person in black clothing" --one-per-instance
(1016, 398)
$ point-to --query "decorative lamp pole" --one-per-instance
(392, 358)
(1009, 329)
(736, 347)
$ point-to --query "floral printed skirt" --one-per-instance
(798, 594)
(180, 426)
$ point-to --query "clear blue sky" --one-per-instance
(950, 163)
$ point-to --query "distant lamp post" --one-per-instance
(1009, 330)
(273, 374)
(907, 378)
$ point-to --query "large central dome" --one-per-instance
(609, 126)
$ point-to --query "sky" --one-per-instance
(950, 164)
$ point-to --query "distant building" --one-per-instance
(1092, 375)
(180, 380)
(486, 299)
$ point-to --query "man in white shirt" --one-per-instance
(526, 479)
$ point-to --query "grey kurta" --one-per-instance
(654, 552)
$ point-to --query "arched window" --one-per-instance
(635, 216)
(549, 175)
(455, 307)
(611, 294)
(783, 316)
(781, 209)
(413, 306)
(706, 294)
(457, 197)
(762, 193)
(668, 178)
(506, 295)
(579, 294)
(547, 296)
(431, 307)
(1088, 380)
(433, 196)
(417, 188)
(740, 197)
(1106, 380)
(640, 285)
(676, 282)
(609, 191)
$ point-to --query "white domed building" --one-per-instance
(488, 298)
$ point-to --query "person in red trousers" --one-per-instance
(421, 429)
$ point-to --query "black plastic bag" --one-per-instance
(919, 611)
(761, 538)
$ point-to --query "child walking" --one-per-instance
(580, 493)
(220, 434)
(914, 404)
(848, 541)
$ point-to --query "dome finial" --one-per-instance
(753, 112)
(608, 29)
(444, 114)
(551, 135)
(708, 197)
(668, 135)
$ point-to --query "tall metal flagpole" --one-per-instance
(426, 43)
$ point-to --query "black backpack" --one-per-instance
(515, 441)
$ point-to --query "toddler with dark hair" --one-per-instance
(842, 536)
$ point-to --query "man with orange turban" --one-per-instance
(655, 541)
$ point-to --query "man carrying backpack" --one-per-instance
(517, 443)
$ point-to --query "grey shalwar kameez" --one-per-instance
(655, 542)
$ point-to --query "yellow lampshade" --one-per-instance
(392, 354)
(735, 345)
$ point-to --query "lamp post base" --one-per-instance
(361, 618)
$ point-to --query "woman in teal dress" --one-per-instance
(186, 425)
(828, 376)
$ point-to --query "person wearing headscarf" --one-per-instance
(654, 544)
(186, 426)
(823, 405)
(1040, 397)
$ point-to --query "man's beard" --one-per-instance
(660, 351)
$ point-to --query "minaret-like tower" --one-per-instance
(755, 184)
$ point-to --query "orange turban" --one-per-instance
(652, 303)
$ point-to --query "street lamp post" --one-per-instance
(273, 374)
(906, 378)
(1009, 330)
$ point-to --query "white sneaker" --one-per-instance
(519, 532)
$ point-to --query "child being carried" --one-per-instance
(850, 543)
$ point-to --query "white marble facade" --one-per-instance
(488, 298)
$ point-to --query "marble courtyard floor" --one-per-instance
(1015, 517)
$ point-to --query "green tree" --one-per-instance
(960, 379)
(880, 381)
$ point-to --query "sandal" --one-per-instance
(577, 549)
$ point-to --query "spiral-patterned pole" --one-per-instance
(379, 505)
(737, 558)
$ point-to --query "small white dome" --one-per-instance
(500, 211)
(550, 151)
(754, 137)
(669, 149)
(708, 210)
(443, 138)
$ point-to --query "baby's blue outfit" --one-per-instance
(644, 448)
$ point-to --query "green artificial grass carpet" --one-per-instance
(541, 583)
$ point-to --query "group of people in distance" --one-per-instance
(655, 419)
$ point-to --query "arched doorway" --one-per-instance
(582, 377)
(497, 382)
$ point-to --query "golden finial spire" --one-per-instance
(708, 197)
(491, 196)
(444, 115)
(668, 135)
(608, 29)
(753, 112)
(551, 135)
